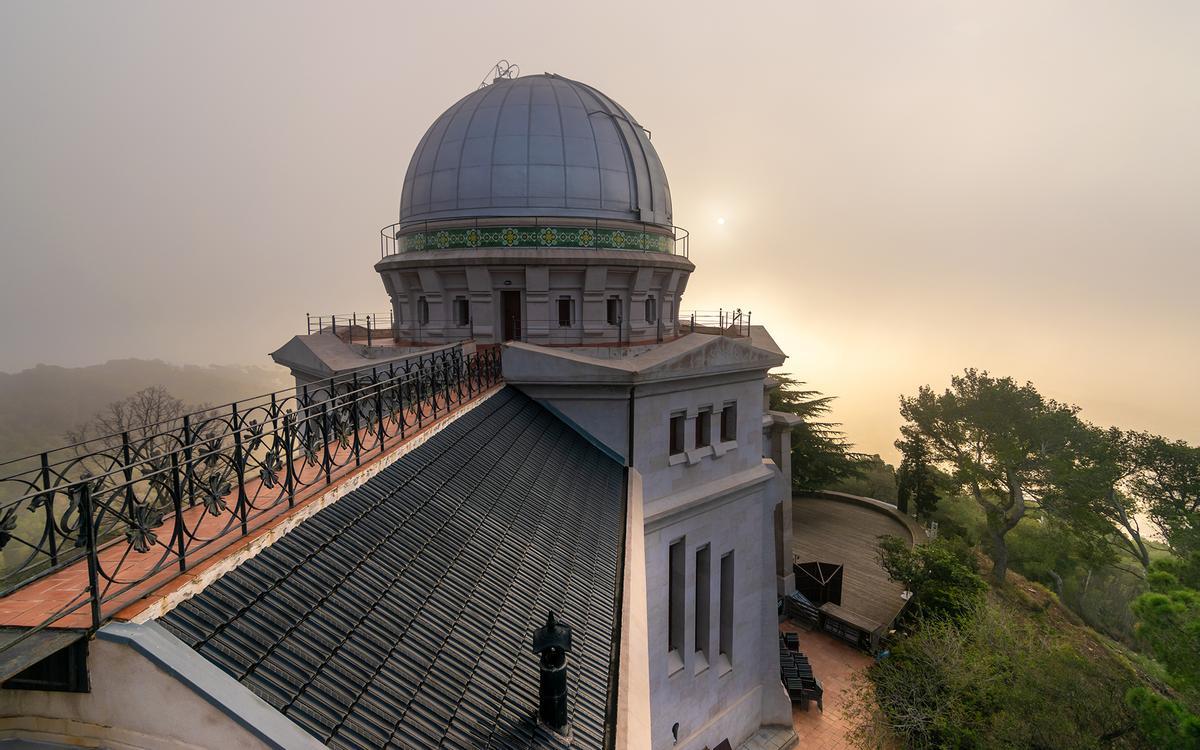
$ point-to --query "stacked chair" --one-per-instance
(797, 674)
(800, 609)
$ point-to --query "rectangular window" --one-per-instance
(677, 423)
(614, 311)
(703, 427)
(651, 309)
(675, 603)
(703, 593)
(422, 310)
(729, 422)
(564, 312)
(727, 606)
(462, 312)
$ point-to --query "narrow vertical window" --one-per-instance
(677, 424)
(614, 311)
(651, 309)
(703, 427)
(422, 310)
(462, 312)
(729, 422)
(675, 603)
(703, 595)
(727, 607)
(564, 312)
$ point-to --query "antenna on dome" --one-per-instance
(501, 70)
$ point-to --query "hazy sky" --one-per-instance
(909, 187)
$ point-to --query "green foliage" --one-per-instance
(821, 455)
(875, 479)
(996, 677)
(1185, 570)
(1001, 442)
(1080, 569)
(960, 518)
(1167, 724)
(941, 575)
(1169, 481)
(1169, 623)
(916, 480)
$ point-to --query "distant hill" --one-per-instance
(38, 405)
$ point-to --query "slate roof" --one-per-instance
(402, 615)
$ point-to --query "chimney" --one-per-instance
(552, 642)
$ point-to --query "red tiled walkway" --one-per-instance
(834, 663)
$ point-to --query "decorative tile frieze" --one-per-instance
(537, 236)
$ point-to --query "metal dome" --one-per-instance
(539, 145)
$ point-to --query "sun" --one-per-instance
(721, 220)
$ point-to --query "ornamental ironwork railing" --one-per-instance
(732, 322)
(165, 497)
(526, 232)
(355, 327)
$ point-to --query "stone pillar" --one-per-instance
(483, 306)
(594, 318)
(537, 304)
(638, 327)
(431, 290)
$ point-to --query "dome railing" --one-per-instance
(525, 232)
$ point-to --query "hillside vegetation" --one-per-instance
(1015, 670)
(1107, 519)
(39, 405)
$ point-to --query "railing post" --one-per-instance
(289, 482)
(177, 501)
(239, 469)
(88, 529)
(187, 460)
(379, 414)
(308, 322)
(467, 375)
(127, 472)
(354, 418)
(48, 505)
(333, 322)
(420, 396)
(368, 330)
(327, 460)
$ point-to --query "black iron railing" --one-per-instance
(355, 327)
(731, 322)
(168, 496)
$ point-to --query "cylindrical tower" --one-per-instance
(535, 209)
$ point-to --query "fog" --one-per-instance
(908, 188)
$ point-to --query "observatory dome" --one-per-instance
(536, 146)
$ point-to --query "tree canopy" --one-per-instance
(821, 454)
(1002, 442)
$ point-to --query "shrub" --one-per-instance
(941, 575)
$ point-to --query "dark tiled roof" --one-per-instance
(402, 615)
